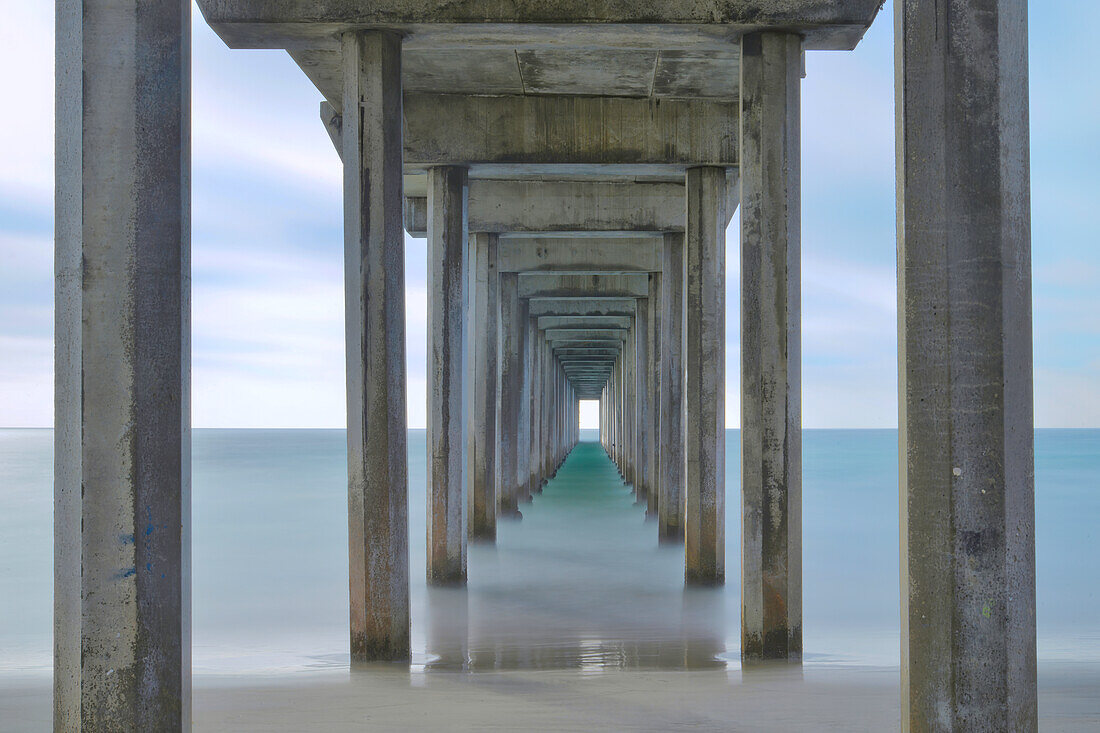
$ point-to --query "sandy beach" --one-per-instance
(389, 697)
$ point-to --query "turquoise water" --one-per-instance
(579, 582)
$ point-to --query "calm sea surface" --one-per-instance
(580, 582)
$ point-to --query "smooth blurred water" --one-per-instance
(580, 582)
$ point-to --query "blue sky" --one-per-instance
(266, 242)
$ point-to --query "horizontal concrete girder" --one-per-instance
(584, 334)
(600, 343)
(581, 306)
(586, 351)
(546, 322)
(548, 285)
(559, 254)
(503, 206)
(515, 134)
(710, 25)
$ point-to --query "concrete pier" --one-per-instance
(704, 377)
(448, 282)
(374, 297)
(771, 417)
(483, 371)
(596, 162)
(965, 380)
(122, 471)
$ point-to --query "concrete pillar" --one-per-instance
(484, 309)
(527, 460)
(704, 370)
(448, 281)
(122, 479)
(630, 408)
(509, 398)
(374, 276)
(653, 406)
(670, 520)
(534, 409)
(644, 440)
(965, 354)
(771, 416)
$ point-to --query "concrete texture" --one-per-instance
(481, 499)
(592, 255)
(643, 400)
(771, 415)
(653, 397)
(676, 24)
(571, 286)
(704, 377)
(374, 276)
(670, 470)
(511, 382)
(448, 338)
(965, 356)
(552, 206)
(122, 483)
(524, 131)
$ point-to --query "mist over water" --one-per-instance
(579, 583)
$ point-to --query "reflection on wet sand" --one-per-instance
(579, 584)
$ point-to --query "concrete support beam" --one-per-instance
(653, 396)
(704, 370)
(544, 285)
(561, 130)
(771, 414)
(533, 383)
(594, 306)
(555, 335)
(965, 353)
(517, 206)
(484, 366)
(590, 254)
(677, 24)
(374, 297)
(512, 324)
(584, 322)
(122, 440)
(630, 407)
(448, 280)
(643, 398)
(670, 520)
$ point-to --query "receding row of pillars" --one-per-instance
(122, 429)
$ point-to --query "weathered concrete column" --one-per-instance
(653, 407)
(965, 353)
(122, 440)
(644, 440)
(448, 280)
(481, 499)
(510, 394)
(535, 445)
(704, 371)
(526, 461)
(374, 296)
(771, 415)
(670, 520)
(631, 406)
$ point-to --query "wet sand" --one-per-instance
(390, 697)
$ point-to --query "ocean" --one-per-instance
(579, 583)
